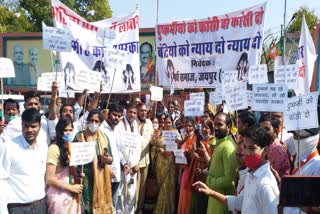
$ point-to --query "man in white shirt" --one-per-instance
(13, 128)
(260, 193)
(108, 127)
(130, 164)
(25, 162)
(146, 132)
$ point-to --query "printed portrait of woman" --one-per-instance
(99, 66)
(243, 67)
(170, 70)
(69, 75)
(128, 77)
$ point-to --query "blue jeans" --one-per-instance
(115, 191)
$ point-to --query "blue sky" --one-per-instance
(175, 10)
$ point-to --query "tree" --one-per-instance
(14, 21)
(311, 19)
(34, 12)
(269, 41)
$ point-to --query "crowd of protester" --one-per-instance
(235, 161)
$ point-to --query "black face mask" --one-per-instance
(220, 134)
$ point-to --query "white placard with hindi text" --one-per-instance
(197, 96)
(65, 94)
(249, 97)
(87, 79)
(56, 39)
(6, 68)
(236, 96)
(230, 77)
(258, 74)
(286, 74)
(180, 157)
(169, 139)
(130, 147)
(156, 93)
(82, 153)
(269, 97)
(216, 97)
(301, 112)
(193, 108)
(46, 79)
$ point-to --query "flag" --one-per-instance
(306, 58)
(274, 52)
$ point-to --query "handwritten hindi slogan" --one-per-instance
(194, 53)
(249, 97)
(216, 96)
(236, 96)
(301, 112)
(180, 157)
(130, 147)
(6, 68)
(56, 39)
(169, 139)
(197, 96)
(229, 78)
(46, 79)
(193, 108)
(258, 74)
(82, 153)
(91, 43)
(269, 97)
(286, 74)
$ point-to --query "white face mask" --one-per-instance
(306, 146)
(93, 127)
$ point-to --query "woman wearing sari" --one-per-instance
(96, 196)
(60, 198)
(201, 156)
(186, 179)
(163, 164)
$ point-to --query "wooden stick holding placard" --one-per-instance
(2, 110)
(108, 102)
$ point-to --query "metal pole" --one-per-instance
(284, 31)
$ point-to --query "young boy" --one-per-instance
(260, 193)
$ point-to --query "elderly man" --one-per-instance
(146, 132)
(33, 65)
(23, 77)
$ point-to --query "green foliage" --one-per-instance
(311, 19)
(101, 7)
(33, 12)
(38, 11)
(14, 21)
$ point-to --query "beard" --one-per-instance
(220, 134)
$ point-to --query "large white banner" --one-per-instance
(110, 46)
(195, 53)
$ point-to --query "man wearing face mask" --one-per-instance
(130, 163)
(146, 132)
(108, 126)
(223, 167)
(307, 159)
(11, 112)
